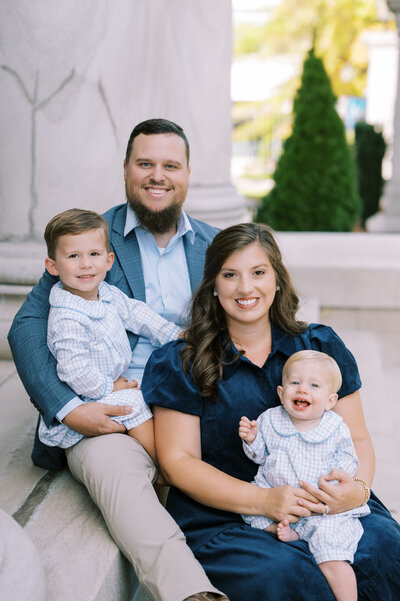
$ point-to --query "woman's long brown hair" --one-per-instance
(207, 337)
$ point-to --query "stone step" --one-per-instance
(140, 595)
(382, 411)
(80, 560)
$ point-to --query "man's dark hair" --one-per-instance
(156, 126)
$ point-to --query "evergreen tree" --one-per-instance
(315, 182)
(370, 149)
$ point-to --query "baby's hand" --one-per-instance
(247, 429)
(122, 383)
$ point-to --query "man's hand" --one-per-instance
(247, 429)
(123, 383)
(92, 419)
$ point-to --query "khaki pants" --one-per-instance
(118, 474)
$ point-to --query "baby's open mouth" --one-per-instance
(301, 403)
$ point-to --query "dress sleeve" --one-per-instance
(323, 338)
(165, 384)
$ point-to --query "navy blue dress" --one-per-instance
(249, 564)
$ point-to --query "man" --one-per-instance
(159, 257)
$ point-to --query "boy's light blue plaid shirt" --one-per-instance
(89, 340)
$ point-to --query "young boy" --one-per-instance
(300, 440)
(87, 323)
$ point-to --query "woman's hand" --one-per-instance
(283, 503)
(345, 495)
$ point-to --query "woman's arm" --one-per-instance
(348, 494)
(179, 452)
(350, 408)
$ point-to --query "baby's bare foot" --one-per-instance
(285, 533)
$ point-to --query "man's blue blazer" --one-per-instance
(28, 334)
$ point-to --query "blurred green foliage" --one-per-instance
(332, 27)
(315, 183)
(370, 147)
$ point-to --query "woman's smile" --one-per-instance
(246, 302)
(246, 285)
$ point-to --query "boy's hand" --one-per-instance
(123, 383)
(247, 429)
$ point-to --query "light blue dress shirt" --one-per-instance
(166, 277)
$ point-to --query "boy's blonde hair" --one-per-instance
(73, 222)
(310, 355)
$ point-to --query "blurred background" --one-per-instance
(358, 44)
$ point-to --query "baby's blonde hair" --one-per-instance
(310, 355)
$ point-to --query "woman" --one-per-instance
(242, 330)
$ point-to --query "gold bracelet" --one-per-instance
(367, 490)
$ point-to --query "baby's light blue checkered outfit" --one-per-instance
(89, 341)
(287, 456)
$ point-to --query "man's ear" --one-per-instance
(50, 265)
(125, 169)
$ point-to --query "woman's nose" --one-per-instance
(245, 285)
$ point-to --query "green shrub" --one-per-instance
(370, 147)
(315, 182)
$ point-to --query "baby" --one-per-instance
(300, 440)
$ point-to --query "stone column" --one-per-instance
(389, 219)
(75, 79)
(185, 49)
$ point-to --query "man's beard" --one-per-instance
(157, 222)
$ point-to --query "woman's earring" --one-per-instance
(215, 293)
(278, 288)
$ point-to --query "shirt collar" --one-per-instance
(282, 342)
(62, 299)
(184, 226)
(283, 425)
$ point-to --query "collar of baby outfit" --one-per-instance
(62, 299)
(283, 425)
